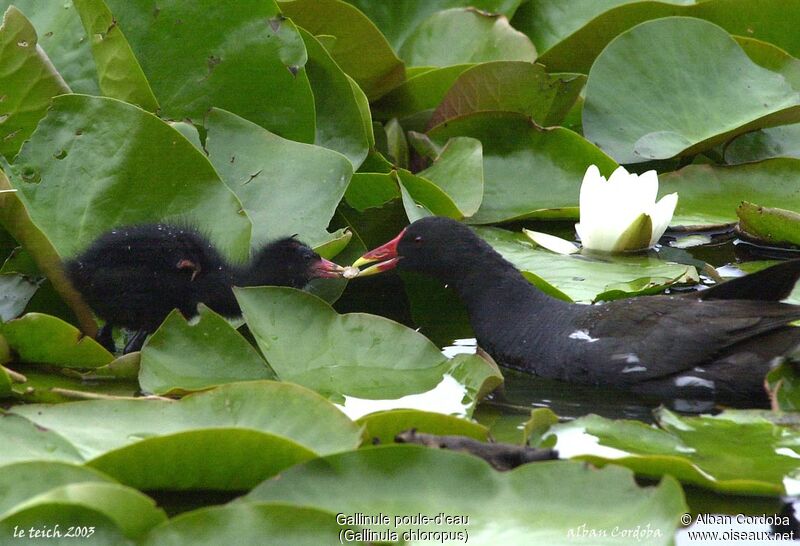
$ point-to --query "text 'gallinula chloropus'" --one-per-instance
(712, 344)
(134, 276)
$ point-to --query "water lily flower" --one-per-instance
(622, 214)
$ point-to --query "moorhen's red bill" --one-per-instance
(715, 344)
(134, 276)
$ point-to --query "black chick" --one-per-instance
(134, 276)
(715, 344)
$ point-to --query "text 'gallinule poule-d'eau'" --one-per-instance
(134, 276)
(715, 344)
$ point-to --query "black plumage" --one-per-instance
(134, 276)
(715, 344)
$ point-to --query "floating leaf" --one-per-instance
(783, 141)
(783, 382)
(733, 452)
(28, 80)
(383, 426)
(204, 441)
(249, 523)
(387, 479)
(120, 75)
(717, 94)
(222, 55)
(420, 93)
(181, 357)
(360, 355)
(94, 135)
(340, 125)
(770, 225)
(376, 72)
(710, 194)
(528, 172)
(286, 187)
(511, 86)
(580, 277)
(465, 35)
(42, 339)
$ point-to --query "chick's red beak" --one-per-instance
(385, 255)
(326, 269)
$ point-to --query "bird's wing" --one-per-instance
(662, 336)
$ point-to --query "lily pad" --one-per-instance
(128, 510)
(733, 452)
(181, 357)
(783, 382)
(783, 141)
(250, 523)
(458, 171)
(381, 427)
(119, 74)
(369, 190)
(221, 55)
(582, 277)
(771, 225)
(376, 72)
(286, 187)
(710, 194)
(398, 20)
(717, 94)
(387, 479)
(94, 135)
(511, 86)
(305, 341)
(43, 339)
(571, 39)
(420, 93)
(28, 79)
(465, 35)
(63, 38)
(529, 172)
(204, 441)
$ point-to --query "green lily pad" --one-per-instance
(27, 442)
(133, 513)
(398, 20)
(733, 452)
(582, 277)
(770, 225)
(43, 339)
(63, 38)
(465, 35)
(419, 93)
(387, 480)
(368, 190)
(381, 427)
(286, 187)
(22, 481)
(528, 172)
(181, 357)
(783, 141)
(28, 79)
(734, 95)
(204, 441)
(710, 194)
(119, 74)
(458, 171)
(94, 135)
(376, 72)
(340, 125)
(421, 197)
(511, 86)
(359, 355)
(250, 523)
(222, 55)
(572, 39)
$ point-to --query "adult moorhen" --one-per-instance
(134, 276)
(715, 344)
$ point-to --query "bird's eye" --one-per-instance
(418, 239)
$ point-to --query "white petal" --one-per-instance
(596, 239)
(551, 242)
(662, 215)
